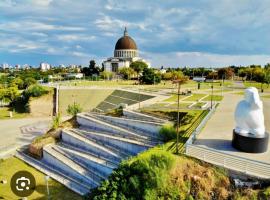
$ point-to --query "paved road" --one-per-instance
(18, 132)
(218, 131)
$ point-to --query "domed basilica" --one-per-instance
(125, 52)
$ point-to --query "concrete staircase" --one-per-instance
(87, 155)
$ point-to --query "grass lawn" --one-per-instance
(266, 96)
(215, 98)
(4, 114)
(166, 106)
(173, 98)
(256, 84)
(86, 98)
(195, 97)
(11, 165)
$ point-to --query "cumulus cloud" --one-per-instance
(199, 59)
(201, 33)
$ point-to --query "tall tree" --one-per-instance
(149, 76)
(138, 66)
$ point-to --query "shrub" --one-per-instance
(143, 177)
(56, 121)
(74, 109)
(35, 91)
(29, 81)
(167, 132)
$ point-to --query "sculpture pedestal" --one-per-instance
(249, 143)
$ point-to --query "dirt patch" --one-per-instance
(42, 106)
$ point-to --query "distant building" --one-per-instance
(17, 67)
(26, 66)
(44, 66)
(75, 75)
(198, 79)
(5, 66)
(125, 53)
(163, 71)
(62, 66)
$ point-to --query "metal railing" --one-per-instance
(193, 136)
(232, 162)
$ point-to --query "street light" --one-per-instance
(47, 185)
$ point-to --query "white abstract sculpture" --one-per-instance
(248, 115)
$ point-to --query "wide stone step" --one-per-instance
(82, 161)
(97, 165)
(55, 173)
(69, 167)
(106, 160)
(89, 121)
(83, 142)
(127, 146)
(103, 141)
(143, 128)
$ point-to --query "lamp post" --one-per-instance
(47, 185)
(178, 114)
(212, 87)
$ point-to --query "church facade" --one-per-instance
(125, 52)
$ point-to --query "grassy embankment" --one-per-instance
(10, 166)
(86, 98)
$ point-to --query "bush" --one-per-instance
(149, 76)
(56, 121)
(74, 109)
(143, 177)
(35, 91)
(29, 81)
(167, 132)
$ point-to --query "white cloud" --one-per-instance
(199, 59)
(75, 37)
(41, 2)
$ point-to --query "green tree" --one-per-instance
(29, 81)
(127, 72)
(149, 76)
(18, 82)
(167, 76)
(106, 75)
(138, 67)
(93, 69)
(11, 93)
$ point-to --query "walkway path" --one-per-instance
(218, 132)
(18, 132)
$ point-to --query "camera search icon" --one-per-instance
(23, 183)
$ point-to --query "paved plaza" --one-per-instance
(18, 132)
(217, 134)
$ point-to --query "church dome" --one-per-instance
(125, 42)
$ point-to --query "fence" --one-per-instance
(201, 125)
(232, 162)
(229, 161)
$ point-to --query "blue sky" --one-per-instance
(169, 33)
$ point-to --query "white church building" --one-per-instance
(125, 53)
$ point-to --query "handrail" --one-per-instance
(201, 125)
(223, 153)
(233, 162)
